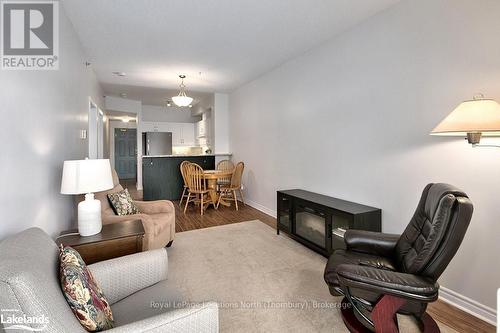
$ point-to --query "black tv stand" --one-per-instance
(318, 221)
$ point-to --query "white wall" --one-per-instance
(168, 114)
(123, 104)
(100, 134)
(351, 119)
(106, 136)
(93, 131)
(220, 115)
(42, 115)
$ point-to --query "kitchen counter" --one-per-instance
(188, 155)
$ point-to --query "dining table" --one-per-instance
(211, 176)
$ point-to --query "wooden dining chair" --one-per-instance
(197, 188)
(185, 189)
(224, 165)
(229, 191)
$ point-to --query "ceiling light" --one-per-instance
(125, 120)
(182, 99)
(190, 105)
(120, 73)
(169, 103)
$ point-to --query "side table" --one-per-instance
(114, 240)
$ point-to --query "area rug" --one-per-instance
(263, 282)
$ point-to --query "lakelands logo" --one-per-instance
(29, 35)
(14, 320)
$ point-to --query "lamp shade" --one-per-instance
(474, 116)
(182, 100)
(86, 176)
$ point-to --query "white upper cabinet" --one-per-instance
(183, 134)
(176, 135)
(188, 134)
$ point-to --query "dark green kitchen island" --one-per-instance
(161, 176)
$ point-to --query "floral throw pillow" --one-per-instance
(84, 296)
(122, 203)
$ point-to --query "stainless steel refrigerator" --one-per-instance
(157, 143)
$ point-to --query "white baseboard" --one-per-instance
(468, 305)
(261, 208)
(449, 296)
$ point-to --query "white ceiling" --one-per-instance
(150, 95)
(230, 42)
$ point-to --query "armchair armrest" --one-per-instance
(403, 285)
(109, 219)
(370, 242)
(121, 277)
(202, 318)
(155, 207)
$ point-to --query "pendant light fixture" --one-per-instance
(182, 99)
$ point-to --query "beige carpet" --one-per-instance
(263, 282)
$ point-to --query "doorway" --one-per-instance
(126, 153)
(95, 132)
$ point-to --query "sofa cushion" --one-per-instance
(82, 292)
(122, 203)
(159, 298)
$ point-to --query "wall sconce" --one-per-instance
(472, 119)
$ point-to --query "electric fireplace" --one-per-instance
(319, 221)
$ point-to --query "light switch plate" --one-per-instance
(83, 134)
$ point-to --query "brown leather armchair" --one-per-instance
(381, 274)
(158, 217)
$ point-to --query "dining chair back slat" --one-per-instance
(195, 178)
(229, 191)
(185, 190)
(183, 170)
(237, 174)
(225, 165)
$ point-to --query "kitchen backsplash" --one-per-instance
(181, 150)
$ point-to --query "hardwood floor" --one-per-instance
(211, 218)
(458, 319)
(442, 312)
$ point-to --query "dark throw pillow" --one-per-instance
(84, 296)
(122, 203)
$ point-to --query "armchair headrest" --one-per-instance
(435, 232)
(436, 192)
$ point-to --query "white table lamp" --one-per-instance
(86, 177)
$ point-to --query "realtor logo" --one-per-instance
(29, 35)
(13, 319)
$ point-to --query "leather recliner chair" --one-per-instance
(382, 274)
